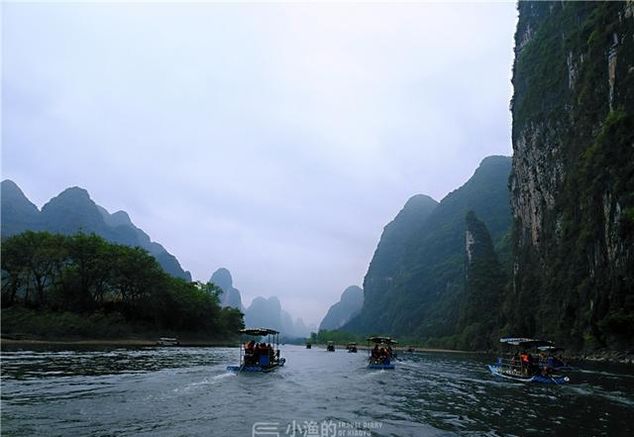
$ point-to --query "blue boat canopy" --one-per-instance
(526, 342)
(258, 332)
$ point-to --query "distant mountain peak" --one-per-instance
(352, 293)
(11, 191)
(18, 212)
(268, 313)
(420, 199)
(74, 192)
(120, 218)
(231, 296)
(342, 312)
(222, 278)
(11, 186)
(494, 159)
(492, 162)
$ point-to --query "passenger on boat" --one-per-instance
(525, 362)
(390, 354)
(516, 362)
(375, 352)
(249, 353)
(248, 347)
(384, 355)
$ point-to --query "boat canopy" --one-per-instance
(377, 340)
(550, 348)
(258, 332)
(526, 342)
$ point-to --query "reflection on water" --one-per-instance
(186, 391)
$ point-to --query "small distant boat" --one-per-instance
(523, 366)
(352, 347)
(167, 341)
(309, 346)
(330, 347)
(259, 357)
(381, 355)
(411, 349)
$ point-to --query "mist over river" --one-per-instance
(187, 391)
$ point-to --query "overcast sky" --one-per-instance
(272, 139)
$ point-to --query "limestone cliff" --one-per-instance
(572, 180)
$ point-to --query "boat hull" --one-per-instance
(381, 366)
(555, 379)
(256, 369)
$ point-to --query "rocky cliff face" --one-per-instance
(572, 181)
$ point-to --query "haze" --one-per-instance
(272, 139)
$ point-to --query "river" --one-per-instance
(187, 391)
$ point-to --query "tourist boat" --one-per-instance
(259, 357)
(523, 367)
(330, 347)
(380, 354)
(352, 347)
(167, 341)
(309, 346)
(411, 349)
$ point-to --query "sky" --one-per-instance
(273, 139)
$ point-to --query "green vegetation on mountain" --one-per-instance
(63, 279)
(388, 259)
(416, 290)
(480, 314)
(336, 336)
(73, 211)
(573, 174)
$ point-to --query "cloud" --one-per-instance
(274, 139)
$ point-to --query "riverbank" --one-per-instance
(28, 328)
(612, 357)
(21, 341)
(603, 356)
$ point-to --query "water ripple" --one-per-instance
(187, 391)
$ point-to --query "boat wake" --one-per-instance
(614, 396)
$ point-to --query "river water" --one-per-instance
(187, 391)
